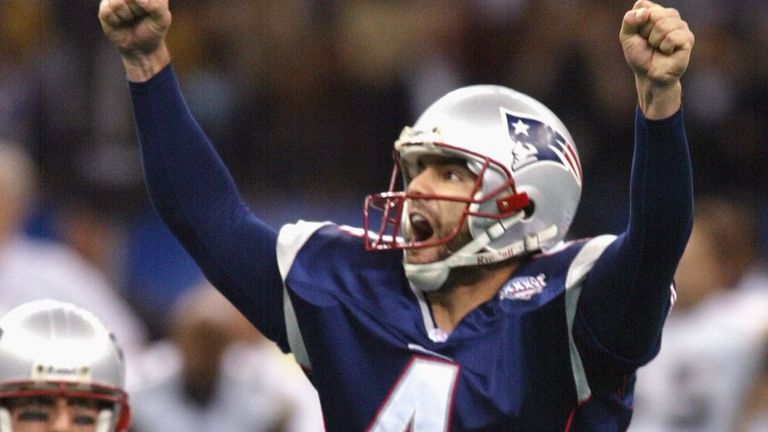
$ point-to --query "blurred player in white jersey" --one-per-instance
(716, 336)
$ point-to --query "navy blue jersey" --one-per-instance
(379, 363)
(556, 349)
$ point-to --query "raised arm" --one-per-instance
(627, 294)
(188, 183)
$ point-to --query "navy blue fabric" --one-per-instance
(360, 322)
(626, 295)
(358, 316)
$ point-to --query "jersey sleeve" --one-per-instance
(626, 295)
(290, 240)
(197, 199)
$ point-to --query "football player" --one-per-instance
(458, 306)
(60, 371)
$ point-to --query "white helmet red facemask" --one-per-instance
(54, 349)
(527, 190)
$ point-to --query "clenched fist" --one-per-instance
(137, 28)
(657, 46)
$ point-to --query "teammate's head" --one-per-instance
(526, 185)
(60, 371)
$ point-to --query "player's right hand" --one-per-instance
(136, 27)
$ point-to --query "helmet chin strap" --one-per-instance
(5, 420)
(430, 277)
(104, 422)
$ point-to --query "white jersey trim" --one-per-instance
(433, 331)
(577, 272)
(290, 240)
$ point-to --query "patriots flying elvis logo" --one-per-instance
(534, 140)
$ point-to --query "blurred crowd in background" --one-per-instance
(303, 99)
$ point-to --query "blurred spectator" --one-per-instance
(309, 81)
(715, 338)
(21, 45)
(34, 269)
(156, 270)
(755, 414)
(217, 373)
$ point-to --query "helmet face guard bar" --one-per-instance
(392, 204)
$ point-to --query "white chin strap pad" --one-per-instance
(5, 420)
(426, 277)
(430, 277)
(104, 422)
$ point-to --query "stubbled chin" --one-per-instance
(423, 255)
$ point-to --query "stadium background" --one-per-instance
(303, 99)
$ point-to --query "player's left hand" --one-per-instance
(657, 42)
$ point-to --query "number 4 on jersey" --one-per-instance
(421, 400)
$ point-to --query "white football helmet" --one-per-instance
(50, 348)
(528, 180)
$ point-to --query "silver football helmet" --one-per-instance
(50, 348)
(528, 180)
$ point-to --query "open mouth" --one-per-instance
(421, 227)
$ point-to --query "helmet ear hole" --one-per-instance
(529, 209)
